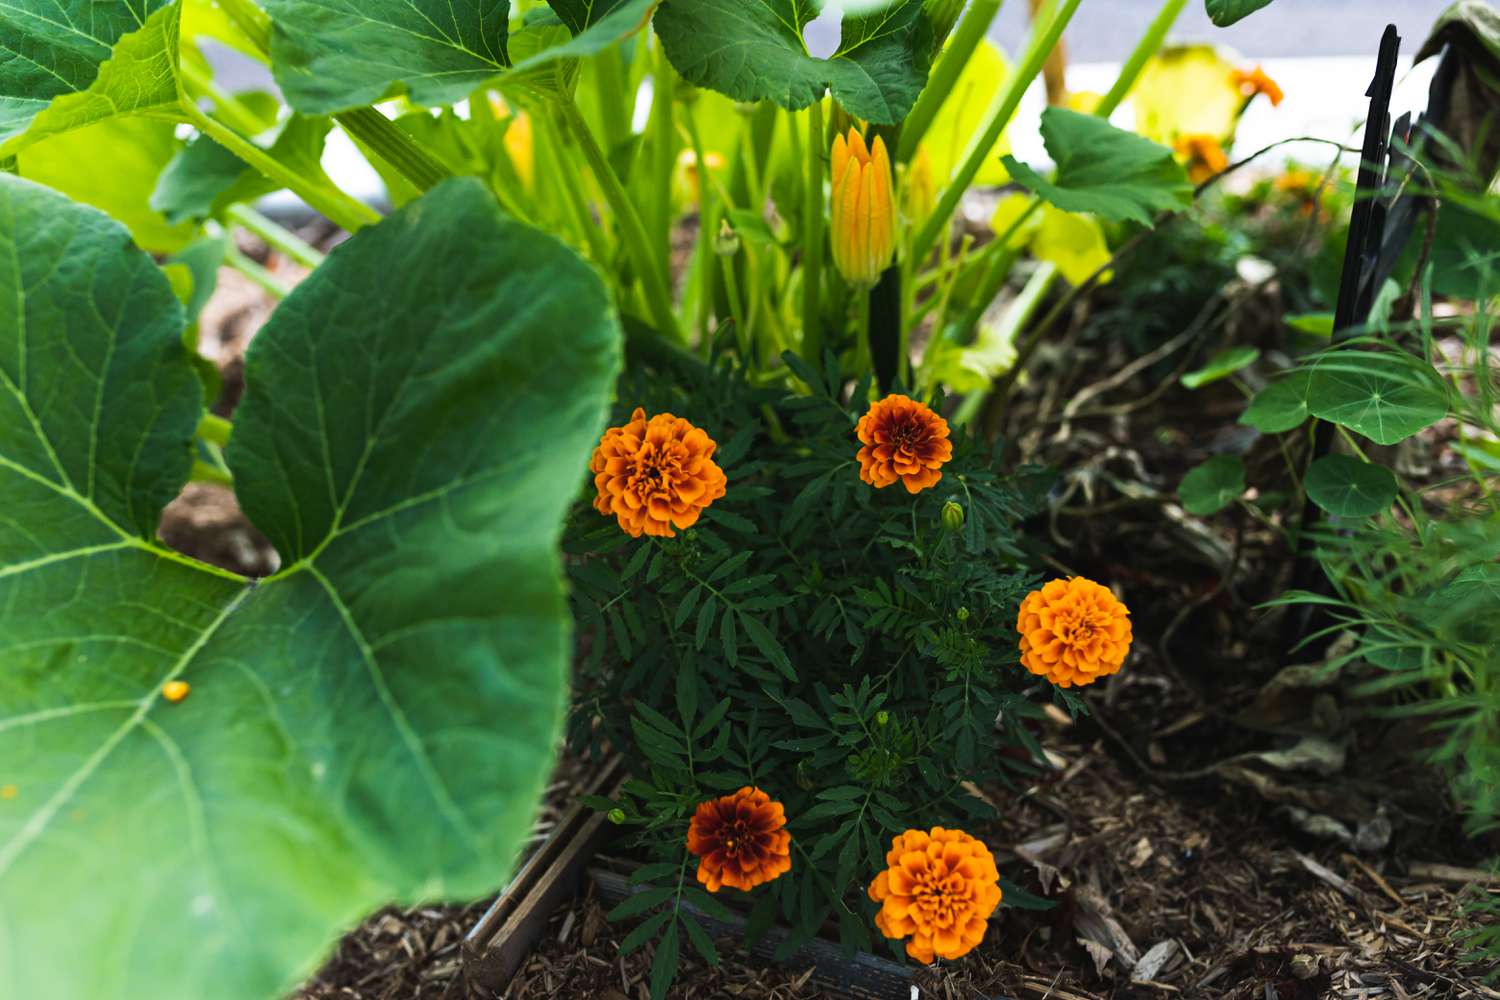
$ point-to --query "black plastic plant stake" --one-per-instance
(1362, 256)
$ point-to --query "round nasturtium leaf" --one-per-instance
(1344, 486)
(207, 777)
(1212, 486)
(1385, 395)
(1280, 406)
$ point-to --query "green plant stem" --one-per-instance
(648, 269)
(386, 139)
(965, 39)
(614, 96)
(275, 236)
(572, 187)
(1016, 317)
(1002, 256)
(231, 108)
(202, 472)
(812, 239)
(736, 308)
(1042, 43)
(663, 144)
(250, 269)
(250, 19)
(377, 132)
(215, 429)
(1156, 33)
(339, 208)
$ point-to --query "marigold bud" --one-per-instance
(616, 816)
(953, 515)
(175, 691)
(963, 615)
(863, 212)
(882, 717)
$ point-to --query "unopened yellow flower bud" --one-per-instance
(918, 191)
(953, 515)
(863, 212)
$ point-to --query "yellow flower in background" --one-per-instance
(863, 229)
(1085, 102)
(918, 191)
(1257, 82)
(1186, 90)
(1074, 242)
(685, 183)
(518, 141)
(1202, 155)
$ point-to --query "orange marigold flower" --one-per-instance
(741, 840)
(939, 890)
(1073, 631)
(902, 439)
(655, 474)
(1257, 82)
(1203, 155)
(862, 214)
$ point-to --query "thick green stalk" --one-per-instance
(265, 279)
(276, 236)
(663, 143)
(386, 139)
(338, 207)
(649, 270)
(615, 97)
(1042, 43)
(812, 239)
(971, 31)
(373, 129)
(1147, 47)
(231, 109)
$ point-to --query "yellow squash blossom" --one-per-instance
(863, 211)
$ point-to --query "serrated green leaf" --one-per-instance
(1221, 366)
(705, 622)
(418, 625)
(1212, 486)
(769, 646)
(643, 933)
(1344, 486)
(1280, 406)
(702, 943)
(1112, 173)
(63, 76)
(1226, 12)
(640, 902)
(1385, 395)
(752, 50)
(594, 27)
(664, 963)
(324, 52)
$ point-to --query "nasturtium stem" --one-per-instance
(812, 239)
(275, 236)
(950, 66)
(214, 429)
(980, 148)
(648, 268)
(386, 139)
(340, 209)
(1147, 47)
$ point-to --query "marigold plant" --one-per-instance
(740, 840)
(902, 439)
(1073, 632)
(657, 474)
(863, 210)
(939, 891)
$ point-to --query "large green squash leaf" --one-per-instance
(139, 75)
(53, 47)
(375, 722)
(753, 50)
(333, 55)
(1104, 170)
(113, 165)
(548, 65)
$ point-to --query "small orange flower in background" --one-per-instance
(1257, 82)
(862, 215)
(939, 890)
(656, 474)
(1073, 631)
(902, 439)
(1203, 155)
(740, 840)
